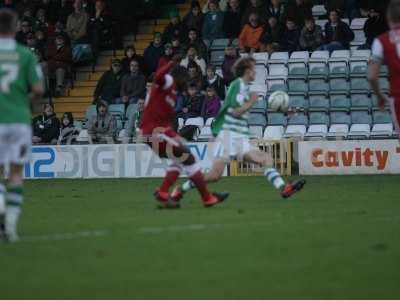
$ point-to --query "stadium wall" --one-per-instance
(349, 157)
(104, 161)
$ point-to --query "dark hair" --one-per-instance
(8, 21)
(69, 116)
(212, 67)
(100, 104)
(180, 75)
(309, 19)
(394, 11)
(130, 47)
(242, 65)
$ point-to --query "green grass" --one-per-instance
(339, 239)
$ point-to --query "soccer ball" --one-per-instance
(278, 101)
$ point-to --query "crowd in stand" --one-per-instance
(60, 31)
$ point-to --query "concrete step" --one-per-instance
(70, 107)
(81, 92)
(64, 100)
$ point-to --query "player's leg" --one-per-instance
(395, 109)
(2, 201)
(162, 192)
(263, 158)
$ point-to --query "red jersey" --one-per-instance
(386, 49)
(160, 108)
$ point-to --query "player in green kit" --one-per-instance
(21, 80)
(232, 135)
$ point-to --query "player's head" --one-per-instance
(393, 13)
(8, 22)
(244, 68)
(180, 76)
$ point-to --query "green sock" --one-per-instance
(274, 178)
(187, 186)
(15, 199)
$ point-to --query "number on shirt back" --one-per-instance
(8, 75)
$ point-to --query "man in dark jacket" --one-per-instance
(153, 53)
(290, 37)
(193, 103)
(374, 26)
(338, 34)
(232, 20)
(133, 85)
(311, 36)
(299, 11)
(109, 86)
(46, 127)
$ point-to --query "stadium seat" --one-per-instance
(318, 86)
(375, 105)
(318, 70)
(360, 54)
(261, 74)
(199, 122)
(78, 124)
(261, 58)
(276, 85)
(358, 23)
(338, 69)
(339, 85)
(359, 84)
(358, 68)
(342, 55)
(219, 44)
(339, 102)
(298, 86)
(257, 119)
(347, 21)
(279, 57)
(384, 71)
(297, 126)
(319, 11)
(360, 102)
(277, 71)
(260, 106)
(361, 125)
(205, 133)
(217, 57)
(340, 124)
(298, 102)
(130, 111)
(209, 121)
(384, 84)
(299, 56)
(276, 126)
(91, 112)
(359, 38)
(298, 70)
(318, 128)
(382, 125)
(83, 136)
(322, 23)
(117, 110)
(319, 56)
(318, 103)
(256, 132)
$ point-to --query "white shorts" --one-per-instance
(231, 145)
(15, 144)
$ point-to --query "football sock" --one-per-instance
(170, 178)
(274, 178)
(187, 186)
(15, 200)
(201, 185)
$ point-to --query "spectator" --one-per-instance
(134, 121)
(77, 24)
(195, 18)
(311, 36)
(109, 86)
(214, 80)
(276, 9)
(100, 27)
(373, 27)
(26, 29)
(231, 56)
(46, 127)
(133, 85)
(59, 29)
(102, 127)
(213, 21)
(211, 103)
(64, 10)
(41, 21)
(59, 62)
(254, 6)
(223, 5)
(192, 56)
(193, 103)
(174, 29)
(232, 20)
(272, 36)
(299, 11)
(195, 41)
(167, 57)
(130, 54)
(177, 46)
(249, 39)
(41, 42)
(290, 37)
(68, 131)
(195, 75)
(338, 34)
(152, 54)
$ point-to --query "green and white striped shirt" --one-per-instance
(238, 94)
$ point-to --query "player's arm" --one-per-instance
(373, 72)
(238, 111)
(161, 78)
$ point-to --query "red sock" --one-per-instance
(170, 178)
(201, 185)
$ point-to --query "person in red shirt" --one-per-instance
(386, 49)
(158, 132)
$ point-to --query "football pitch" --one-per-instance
(104, 239)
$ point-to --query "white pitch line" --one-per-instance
(65, 236)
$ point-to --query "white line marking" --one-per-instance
(65, 236)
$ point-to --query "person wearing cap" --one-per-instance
(109, 86)
(46, 127)
(102, 127)
(153, 53)
(59, 62)
(174, 29)
(213, 21)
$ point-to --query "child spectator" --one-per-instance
(311, 36)
(231, 56)
(249, 39)
(109, 86)
(46, 127)
(102, 126)
(192, 56)
(213, 21)
(133, 85)
(193, 103)
(211, 104)
(214, 80)
(290, 37)
(152, 54)
(195, 18)
(130, 54)
(68, 131)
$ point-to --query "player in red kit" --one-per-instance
(158, 132)
(386, 49)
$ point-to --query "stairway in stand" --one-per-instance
(81, 96)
